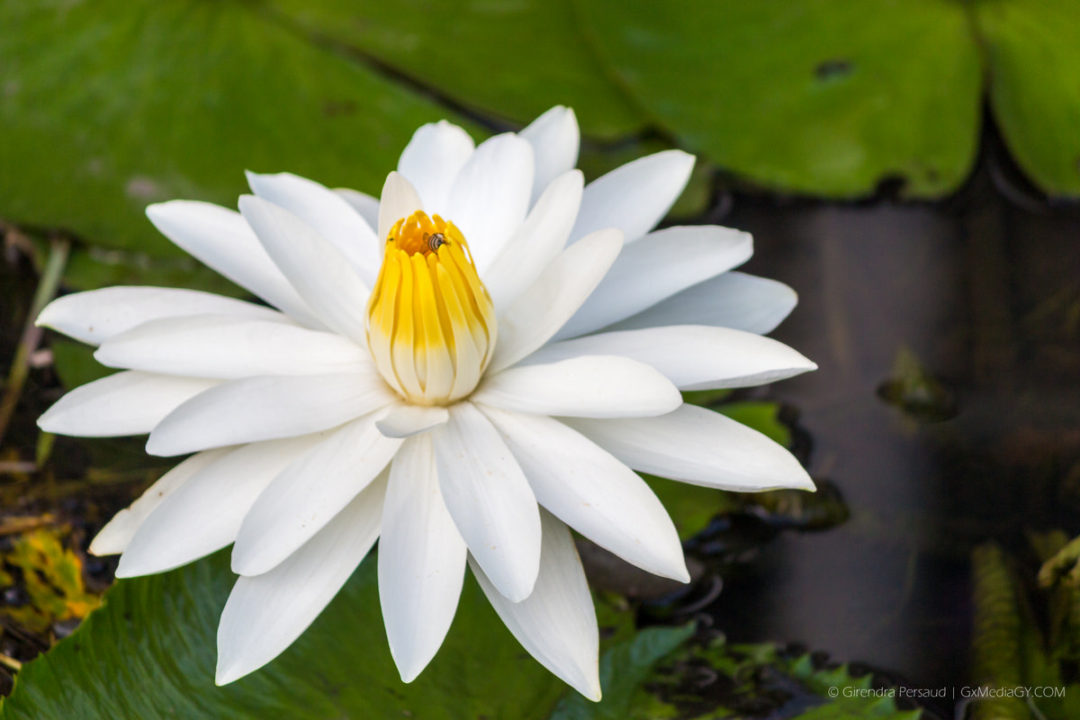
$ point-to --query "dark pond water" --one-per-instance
(984, 290)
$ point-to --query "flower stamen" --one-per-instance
(431, 325)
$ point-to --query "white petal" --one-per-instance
(366, 205)
(421, 560)
(734, 299)
(222, 346)
(693, 357)
(698, 446)
(537, 242)
(489, 499)
(557, 623)
(635, 196)
(555, 138)
(432, 159)
(96, 315)
(403, 420)
(204, 514)
(317, 269)
(223, 241)
(267, 408)
(304, 496)
(265, 614)
(592, 492)
(126, 403)
(599, 386)
(541, 311)
(117, 533)
(399, 200)
(328, 214)
(657, 266)
(491, 194)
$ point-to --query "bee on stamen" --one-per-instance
(434, 241)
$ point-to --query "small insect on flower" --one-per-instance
(435, 241)
(464, 369)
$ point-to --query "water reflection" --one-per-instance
(986, 296)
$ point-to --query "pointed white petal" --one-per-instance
(328, 214)
(310, 491)
(432, 159)
(693, 357)
(491, 194)
(537, 242)
(421, 560)
(541, 311)
(313, 265)
(555, 138)
(635, 196)
(127, 403)
(734, 299)
(557, 623)
(592, 492)
(399, 200)
(204, 514)
(366, 205)
(701, 447)
(403, 421)
(117, 533)
(96, 315)
(657, 266)
(222, 346)
(489, 499)
(223, 241)
(265, 614)
(267, 408)
(599, 386)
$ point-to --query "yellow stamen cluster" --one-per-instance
(431, 325)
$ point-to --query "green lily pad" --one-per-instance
(691, 507)
(622, 671)
(109, 106)
(824, 97)
(150, 653)
(762, 416)
(508, 60)
(1033, 61)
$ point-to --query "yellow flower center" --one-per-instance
(431, 326)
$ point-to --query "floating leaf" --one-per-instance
(623, 669)
(691, 507)
(509, 60)
(825, 97)
(143, 102)
(1032, 51)
(706, 679)
(761, 416)
(150, 653)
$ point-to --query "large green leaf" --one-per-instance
(108, 106)
(1033, 56)
(826, 97)
(149, 653)
(511, 60)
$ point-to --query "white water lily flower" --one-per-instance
(464, 369)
